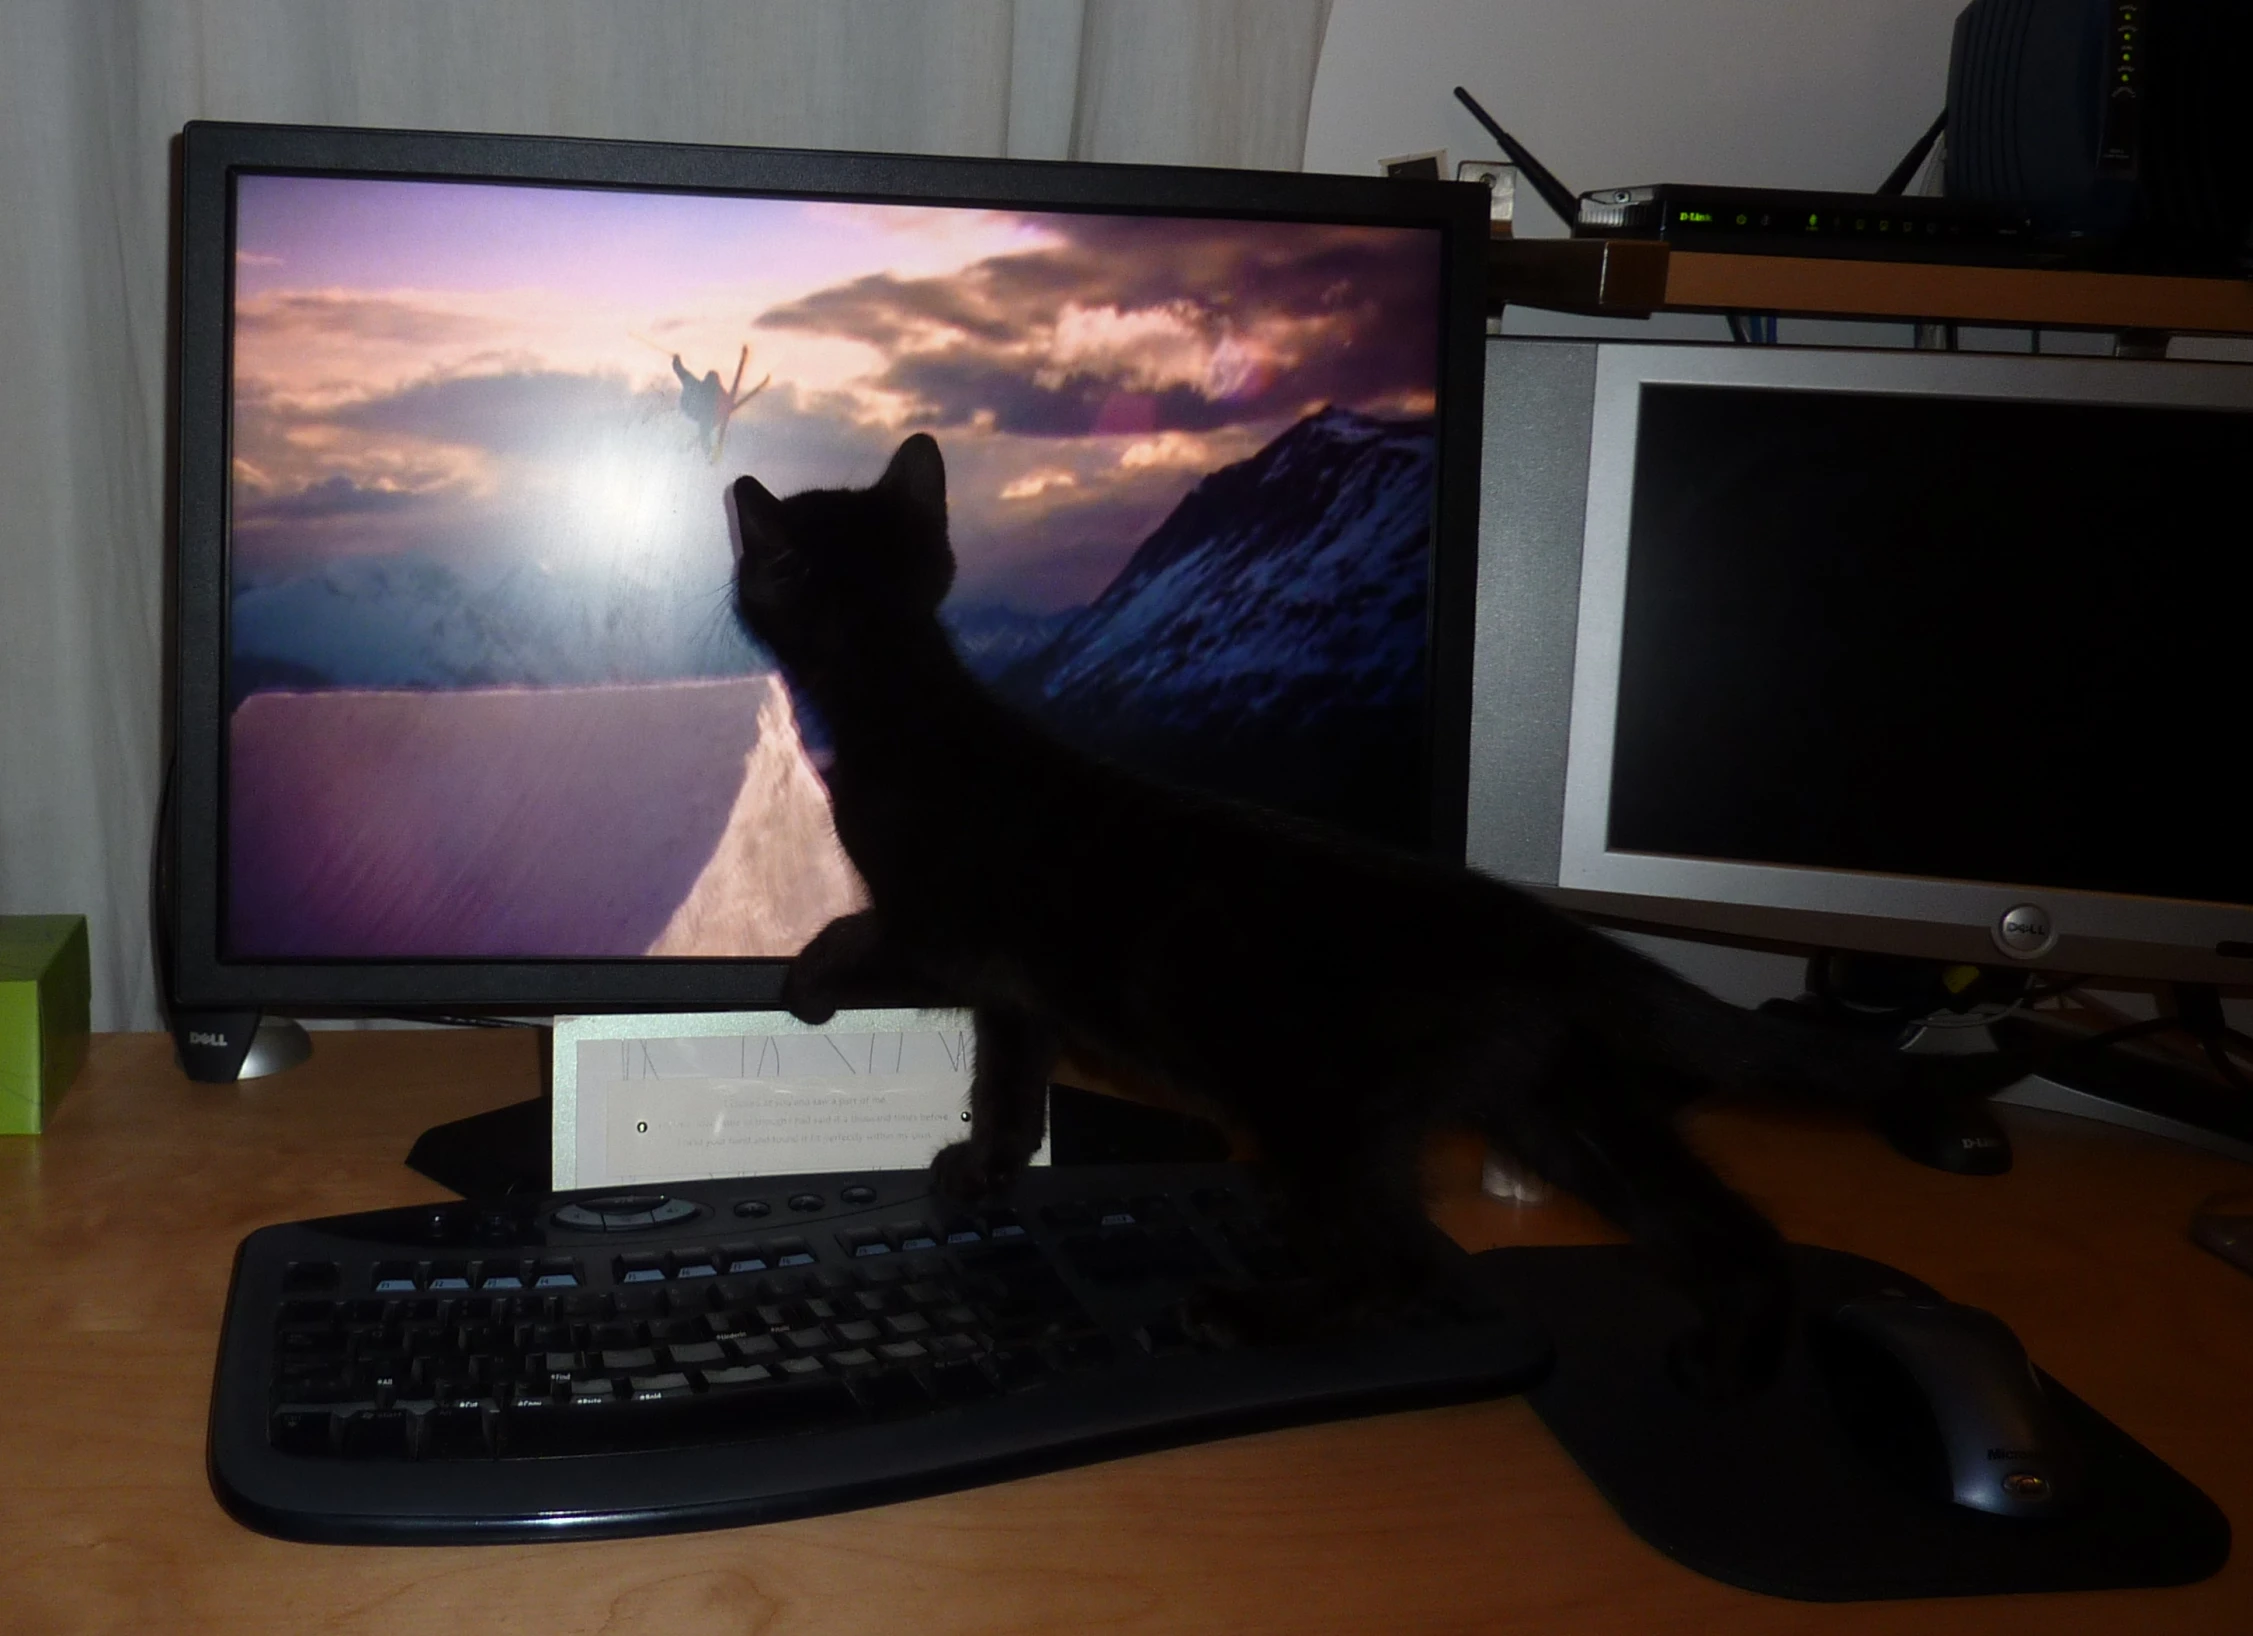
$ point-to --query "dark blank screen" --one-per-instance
(1973, 639)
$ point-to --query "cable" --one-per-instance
(1897, 182)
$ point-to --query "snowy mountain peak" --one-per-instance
(1292, 577)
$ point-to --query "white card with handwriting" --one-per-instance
(682, 1097)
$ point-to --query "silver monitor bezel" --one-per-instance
(2157, 936)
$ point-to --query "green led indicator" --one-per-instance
(1813, 221)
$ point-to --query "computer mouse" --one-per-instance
(1962, 1137)
(1943, 1398)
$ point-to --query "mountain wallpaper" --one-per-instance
(488, 696)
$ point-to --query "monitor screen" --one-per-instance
(1962, 638)
(1913, 652)
(456, 574)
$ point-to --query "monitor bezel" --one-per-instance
(212, 154)
(2110, 933)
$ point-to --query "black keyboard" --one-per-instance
(716, 1353)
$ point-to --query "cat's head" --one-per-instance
(819, 575)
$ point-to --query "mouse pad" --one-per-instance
(1768, 1494)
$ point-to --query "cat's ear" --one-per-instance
(918, 476)
(754, 517)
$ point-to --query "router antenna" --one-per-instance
(1906, 172)
(1553, 193)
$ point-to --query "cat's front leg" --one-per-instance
(849, 962)
(1016, 1052)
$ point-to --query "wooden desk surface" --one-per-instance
(117, 1230)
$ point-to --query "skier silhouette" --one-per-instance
(710, 405)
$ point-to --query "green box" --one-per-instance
(46, 995)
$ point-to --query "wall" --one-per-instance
(1768, 93)
(1763, 93)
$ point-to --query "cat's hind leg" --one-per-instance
(1600, 1127)
(1016, 1052)
(1348, 1196)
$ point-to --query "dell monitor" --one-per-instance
(463, 719)
(1929, 654)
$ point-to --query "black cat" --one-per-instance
(1337, 999)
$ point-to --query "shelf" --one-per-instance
(1633, 278)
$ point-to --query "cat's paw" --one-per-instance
(964, 1173)
(805, 1001)
(1230, 1315)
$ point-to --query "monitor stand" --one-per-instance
(221, 1047)
(2136, 1089)
(501, 1153)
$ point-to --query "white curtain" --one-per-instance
(91, 93)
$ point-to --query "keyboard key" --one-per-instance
(744, 1374)
(457, 1431)
(300, 1428)
(960, 1380)
(1017, 1368)
(891, 1393)
(695, 1352)
(623, 1358)
(647, 1388)
(374, 1434)
(311, 1277)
